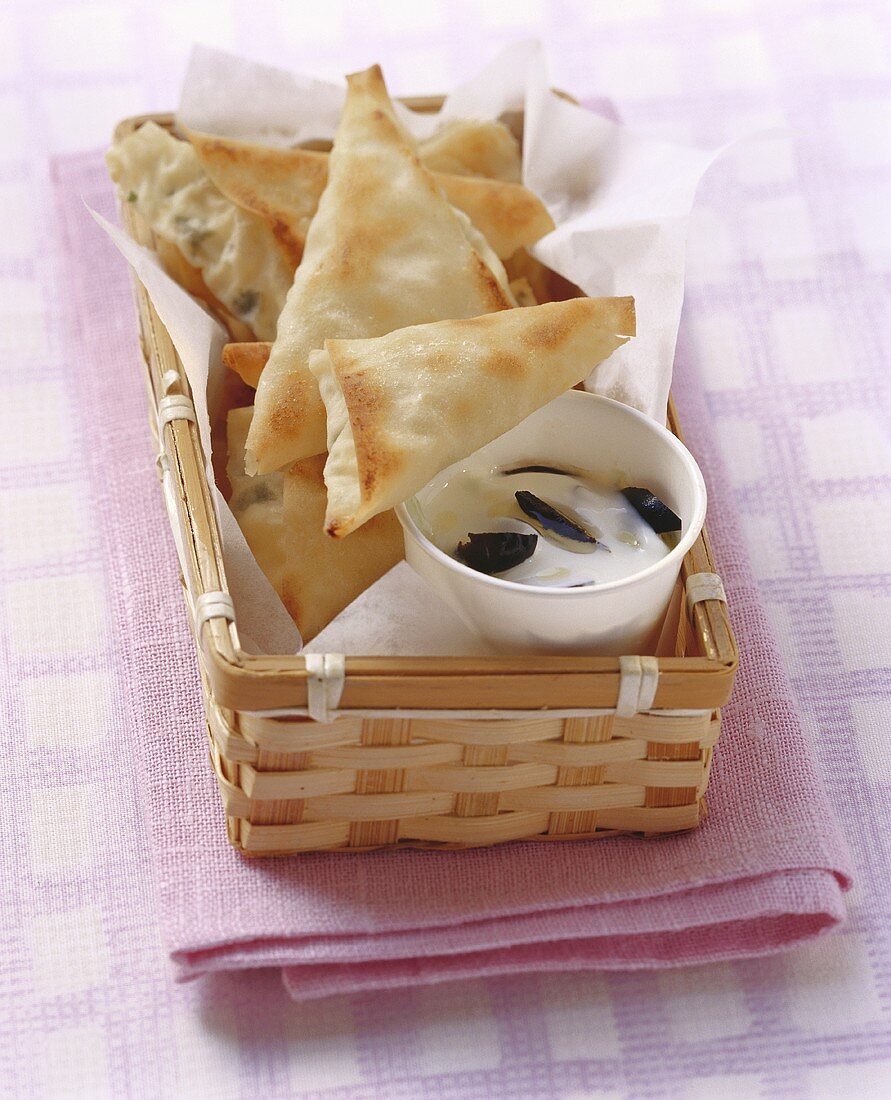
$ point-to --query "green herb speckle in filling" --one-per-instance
(246, 302)
(192, 231)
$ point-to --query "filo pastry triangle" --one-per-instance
(384, 250)
(282, 519)
(283, 186)
(322, 575)
(473, 147)
(210, 243)
(256, 502)
(407, 405)
(248, 358)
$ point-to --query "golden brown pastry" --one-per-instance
(283, 186)
(404, 406)
(384, 250)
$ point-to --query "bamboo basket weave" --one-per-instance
(434, 752)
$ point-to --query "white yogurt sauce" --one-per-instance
(479, 498)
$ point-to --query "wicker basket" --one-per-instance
(435, 752)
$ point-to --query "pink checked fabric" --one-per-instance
(763, 872)
(786, 323)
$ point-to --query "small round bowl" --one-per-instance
(618, 617)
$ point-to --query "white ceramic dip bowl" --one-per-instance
(612, 442)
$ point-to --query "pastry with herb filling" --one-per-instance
(282, 518)
(384, 250)
(256, 502)
(235, 251)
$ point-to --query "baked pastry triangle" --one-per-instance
(404, 406)
(384, 250)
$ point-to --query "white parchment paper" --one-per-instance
(399, 614)
(264, 626)
(620, 202)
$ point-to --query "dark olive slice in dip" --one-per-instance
(493, 552)
(555, 525)
(649, 507)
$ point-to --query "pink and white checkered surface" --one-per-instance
(787, 322)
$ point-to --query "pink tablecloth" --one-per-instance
(763, 872)
(786, 319)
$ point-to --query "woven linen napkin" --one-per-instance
(766, 870)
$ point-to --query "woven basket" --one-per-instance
(434, 752)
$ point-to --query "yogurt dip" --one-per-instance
(608, 446)
(606, 538)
